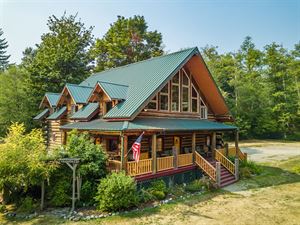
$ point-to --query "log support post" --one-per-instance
(213, 144)
(236, 142)
(194, 146)
(153, 154)
(124, 146)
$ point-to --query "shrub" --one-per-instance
(2, 208)
(253, 168)
(60, 193)
(145, 196)
(92, 166)
(198, 185)
(88, 192)
(158, 195)
(27, 205)
(158, 189)
(245, 172)
(22, 160)
(116, 191)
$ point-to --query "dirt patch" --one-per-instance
(270, 153)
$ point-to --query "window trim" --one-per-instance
(168, 96)
(189, 90)
(179, 93)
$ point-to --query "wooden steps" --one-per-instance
(227, 178)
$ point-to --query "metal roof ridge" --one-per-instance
(77, 85)
(150, 59)
(125, 85)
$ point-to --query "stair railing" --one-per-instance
(225, 162)
(205, 166)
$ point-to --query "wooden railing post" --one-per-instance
(236, 171)
(194, 145)
(213, 144)
(218, 173)
(154, 158)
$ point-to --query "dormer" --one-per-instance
(48, 103)
(108, 95)
(73, 97)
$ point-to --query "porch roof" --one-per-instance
(159, 124)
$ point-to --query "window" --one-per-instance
(164, 98)
(175, 93)
(195, 99)
(185, 92)
(203, 110)
(159, 144)
(74, 108)
(108, 106)
(112, 144)
(152, 104)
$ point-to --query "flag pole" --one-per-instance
(131, 146)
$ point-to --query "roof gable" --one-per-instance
(50, 98)
(114, 91)
(78, 93)
(143, 80)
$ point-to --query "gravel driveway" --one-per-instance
(272, 151)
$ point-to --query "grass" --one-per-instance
(270, 198)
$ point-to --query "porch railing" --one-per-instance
(231, 152)
(138, 168)
(225, 162)
(114, 165)
(205, 166)
(185, 159)
(165, 163)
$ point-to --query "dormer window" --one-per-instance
(74, 109)
(108, 106)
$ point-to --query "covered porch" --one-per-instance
(167, 145)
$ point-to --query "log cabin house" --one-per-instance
(172, 98)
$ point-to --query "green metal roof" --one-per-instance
(52, 98)
(85, 112)
(42, 114)
(80, 94)
(143, 79)
(160, 124)
(96, 125)
(114, 91)
(57, 114)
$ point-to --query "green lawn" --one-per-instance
(270, 198)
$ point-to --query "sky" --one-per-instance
(183, 24)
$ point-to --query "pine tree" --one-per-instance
(3, 56)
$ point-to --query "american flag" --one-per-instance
(136, 148)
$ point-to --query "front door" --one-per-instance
(177, 144)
